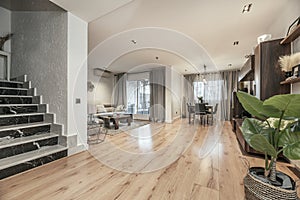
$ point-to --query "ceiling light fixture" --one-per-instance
(133, 41)
(247, 8)
(235, 43)
(204, 80)
(229, 65)
(156, 57)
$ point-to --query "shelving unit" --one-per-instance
(295, 80)
(292, 36)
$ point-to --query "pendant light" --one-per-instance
(204, 80)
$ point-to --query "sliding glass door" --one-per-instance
(138, 96)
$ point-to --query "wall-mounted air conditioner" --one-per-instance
(102, 72)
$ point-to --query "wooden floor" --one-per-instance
(157, 161)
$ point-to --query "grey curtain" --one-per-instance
(230, 83)
(157, 95)
(120, 91)
(188, 92)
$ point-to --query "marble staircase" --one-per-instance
(29, 136)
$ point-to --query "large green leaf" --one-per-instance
(292, 151)
(260, 143)
(256, 107)
(290, 142)
(253, 127)
(288, 103)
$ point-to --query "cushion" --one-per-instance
(100, 109)
(120, 108)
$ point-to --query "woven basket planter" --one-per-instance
(256, 189)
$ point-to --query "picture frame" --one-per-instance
(293, 26)
(296, 70)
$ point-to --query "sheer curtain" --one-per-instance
(120, 94)
(230, 83)
(157, 95)
(188, 92)
(217, 90)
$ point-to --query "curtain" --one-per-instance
(230, 84)
(157, 95)
(188, 92)
(217, 90)
(120, 94)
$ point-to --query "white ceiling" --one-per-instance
(212, 25)
(145, 58)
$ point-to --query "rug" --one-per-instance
(123, 127)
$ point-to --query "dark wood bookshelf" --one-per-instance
(294, 80)
(292, 36)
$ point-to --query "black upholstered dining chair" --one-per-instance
(200, 110)
(211, 114)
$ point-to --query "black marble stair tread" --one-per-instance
(27, 139)
(17, 96)
(25, 157)
(10, 88)
(21, 115)
(16, 105)
(6, 81)
(21, 126)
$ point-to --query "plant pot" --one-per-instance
(288, 74)
(259, 188)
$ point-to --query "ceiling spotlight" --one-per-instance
(229, 65)
(235, 43)
(133, 41)
(156, 57)
(247, 8)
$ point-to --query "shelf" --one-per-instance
(295, 80)
(292, 36)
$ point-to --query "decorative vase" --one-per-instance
(288, 74)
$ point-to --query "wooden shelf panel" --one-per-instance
(292, 36)
(295, 80)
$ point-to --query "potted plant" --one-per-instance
(274, 130)
(200, 99)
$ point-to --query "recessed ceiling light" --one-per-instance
(156, 57)
(229, 65)
(247, 8)
(133, 41)
(235, 43)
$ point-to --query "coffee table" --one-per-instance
(116, 119)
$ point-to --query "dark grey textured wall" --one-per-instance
(39, 49)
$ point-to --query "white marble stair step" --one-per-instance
(6, 81)
(32, 155)
(10, 88)
(21, 115)
(18, 105)
(27, 139)
(18, 96)
(22, 126)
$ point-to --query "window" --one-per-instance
(138, 96)
(198, 90)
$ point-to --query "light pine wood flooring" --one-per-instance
(156, 161)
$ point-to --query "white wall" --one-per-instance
(288, 14)
(176, 89)
(102, 93)
(5, 26)
(77, 79)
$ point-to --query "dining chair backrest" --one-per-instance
(191, 109)
(216, 108)
(200, 108)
